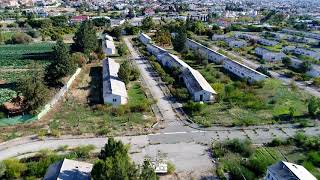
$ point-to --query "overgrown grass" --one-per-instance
(242, 159)
(243, 104)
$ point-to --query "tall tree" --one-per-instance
(314, 106)
(147, 23)
(85, 39)
(179, 40)
(125, 72)
(199, 27)
(33, 89)
(114, 163)
(62, 65)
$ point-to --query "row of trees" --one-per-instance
(64, 62)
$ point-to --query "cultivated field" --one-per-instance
(16, 61)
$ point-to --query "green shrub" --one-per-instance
(122, 49)
(79, 58)
(14, 168)
(2, 169)
(83, 151)
(242, 147)
(171, 168)
(181, 94)
(20, 38)
(193, 107)
(218, 150)
(275, 142)
(314, 158)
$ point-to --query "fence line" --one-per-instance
(28, 118)
(59, 95)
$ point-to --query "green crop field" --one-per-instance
(15, 62)
(21, 55)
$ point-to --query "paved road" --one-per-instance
(311, 90)
(186, 156)
(151, 80)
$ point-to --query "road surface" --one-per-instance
(151, 79)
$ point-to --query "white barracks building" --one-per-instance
(114, 90)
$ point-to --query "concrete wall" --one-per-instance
(243, 71)
(206, 96)
(209, 53)
(114, 99)
(237, 44)
(273, 57)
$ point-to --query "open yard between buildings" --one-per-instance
(240, 103)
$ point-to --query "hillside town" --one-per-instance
(160, 89)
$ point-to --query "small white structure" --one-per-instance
(285, 170)
(108, 37)
(197, 86)
(114, 90)
(69, 170)
(145, 39)
(269, 55)
(217, 37)
(267, 42)
(235, 43)
(159, 167)
(109, 47)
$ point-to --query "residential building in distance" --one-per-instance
(266, 42)
(302, 51)
(145, 39)
(69, 170)
(233, 43)
(114, 90)
(217, 37)
(78, 19)
(268, 55)
(313, 72)
(302, 33)
(284, 170)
